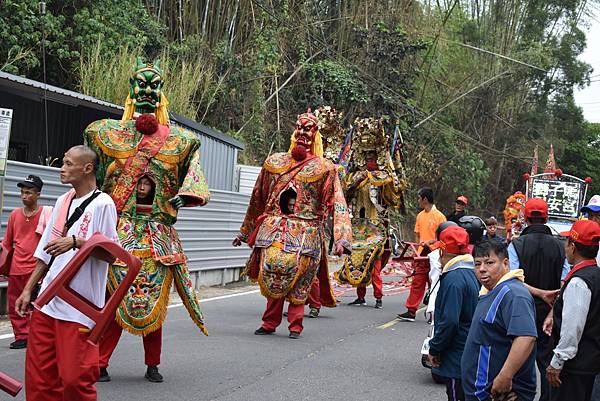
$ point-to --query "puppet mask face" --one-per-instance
(145, 86)
(306, 129)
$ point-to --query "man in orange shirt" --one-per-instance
(427, 222)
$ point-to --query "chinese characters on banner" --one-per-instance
(563, 198)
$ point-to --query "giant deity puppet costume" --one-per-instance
(150, 169)
(293, 195)
(372, 188)
(329, 122)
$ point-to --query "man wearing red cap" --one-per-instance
(576, 314)
(542, 258)
(454, 307)
(288, 240)
(459, 209)
(592, 211)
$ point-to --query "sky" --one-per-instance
(589, 98)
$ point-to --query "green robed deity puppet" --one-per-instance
(150, 169)
(372, 188)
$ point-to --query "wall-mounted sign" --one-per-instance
(5, 123)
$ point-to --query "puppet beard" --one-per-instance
(299, 153)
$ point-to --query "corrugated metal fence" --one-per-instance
(206, 231)
(246, 178)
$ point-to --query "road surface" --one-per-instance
(348, 353)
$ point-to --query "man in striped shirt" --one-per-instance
(499, 358)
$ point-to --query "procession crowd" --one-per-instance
(498, 310)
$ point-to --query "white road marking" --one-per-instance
(218, 298)
(239, 294)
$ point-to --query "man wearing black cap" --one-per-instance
(542, 258)
(23, 232)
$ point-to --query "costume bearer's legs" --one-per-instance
(109, 343)
(376, 280)
(273, 314)
(153, 347)
(295, 317)
(314, 296)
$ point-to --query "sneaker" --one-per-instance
(104, 376)
(18, 344)
(358, 301)
(378, 303)
(314, 313)
(152, 375)
(261, 331)
(294, 335)
(407, 316)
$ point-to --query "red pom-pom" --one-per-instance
(558, 172)
(299, 153)
(147, 124)
(372, 165)
(588, 180)
(526, 176)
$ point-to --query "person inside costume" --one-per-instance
(372, 189)
(287, 248)
(150, 169)
(145, 191)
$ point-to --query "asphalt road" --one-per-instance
(348, 353)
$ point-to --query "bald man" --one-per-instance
(60, 364)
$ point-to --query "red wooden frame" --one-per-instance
(97, 243)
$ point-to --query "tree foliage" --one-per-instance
(473, 85)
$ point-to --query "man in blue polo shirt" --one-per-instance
(499, 356)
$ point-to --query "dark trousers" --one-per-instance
(543, 357)
(454, 390)
(596, 391)
(573, 388)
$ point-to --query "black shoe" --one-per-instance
(18, 344)
(314, 313)
(104, 376)
(378, 304)
(407, 316)
(261, 331)
(294, 335)
(358, 301)
(152, 375)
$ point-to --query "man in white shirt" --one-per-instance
(60, 364)
(576, 315)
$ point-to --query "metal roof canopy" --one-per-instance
(34, 90)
